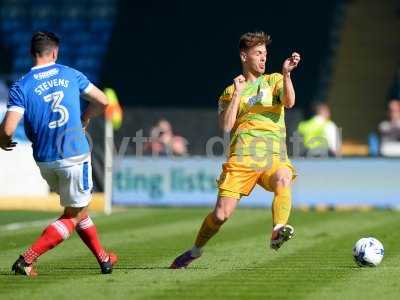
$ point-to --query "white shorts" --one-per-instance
(71, 178)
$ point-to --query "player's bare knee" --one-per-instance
(220, 216)
(74, 212)
(284, 181)
(224, 209)
(280, 183)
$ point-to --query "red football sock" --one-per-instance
(52, 235)
(88, 233)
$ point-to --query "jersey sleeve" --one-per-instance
(225, 98)
(277, 83)
(83, 82)
(16, 99)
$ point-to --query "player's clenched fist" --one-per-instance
(290, 63)
(239, 82)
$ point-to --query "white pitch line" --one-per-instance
(22, 225)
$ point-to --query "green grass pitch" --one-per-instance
(316, 264)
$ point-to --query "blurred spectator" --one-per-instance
(320, 134)
(164, 142)
(389, 130)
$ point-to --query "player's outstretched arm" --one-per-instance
(98, 104)
(7, 129)
(227, 117)
(289, 65)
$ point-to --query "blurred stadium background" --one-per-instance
(170, 61)
(163, 65)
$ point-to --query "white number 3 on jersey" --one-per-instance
(56, 106)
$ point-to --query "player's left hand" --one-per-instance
(290, 63)
(7, 144)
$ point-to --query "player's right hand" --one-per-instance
(239, 82)
(7, 144)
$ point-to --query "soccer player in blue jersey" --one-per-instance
(47, 98)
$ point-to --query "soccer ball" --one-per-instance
(368, 252)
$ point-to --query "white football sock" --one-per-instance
(277, 226)
(196, 251)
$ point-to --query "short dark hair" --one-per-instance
(251, 39)
(43, 41)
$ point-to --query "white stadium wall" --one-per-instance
(19, 174)
(22, 187)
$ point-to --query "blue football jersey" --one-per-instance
(49, 98)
